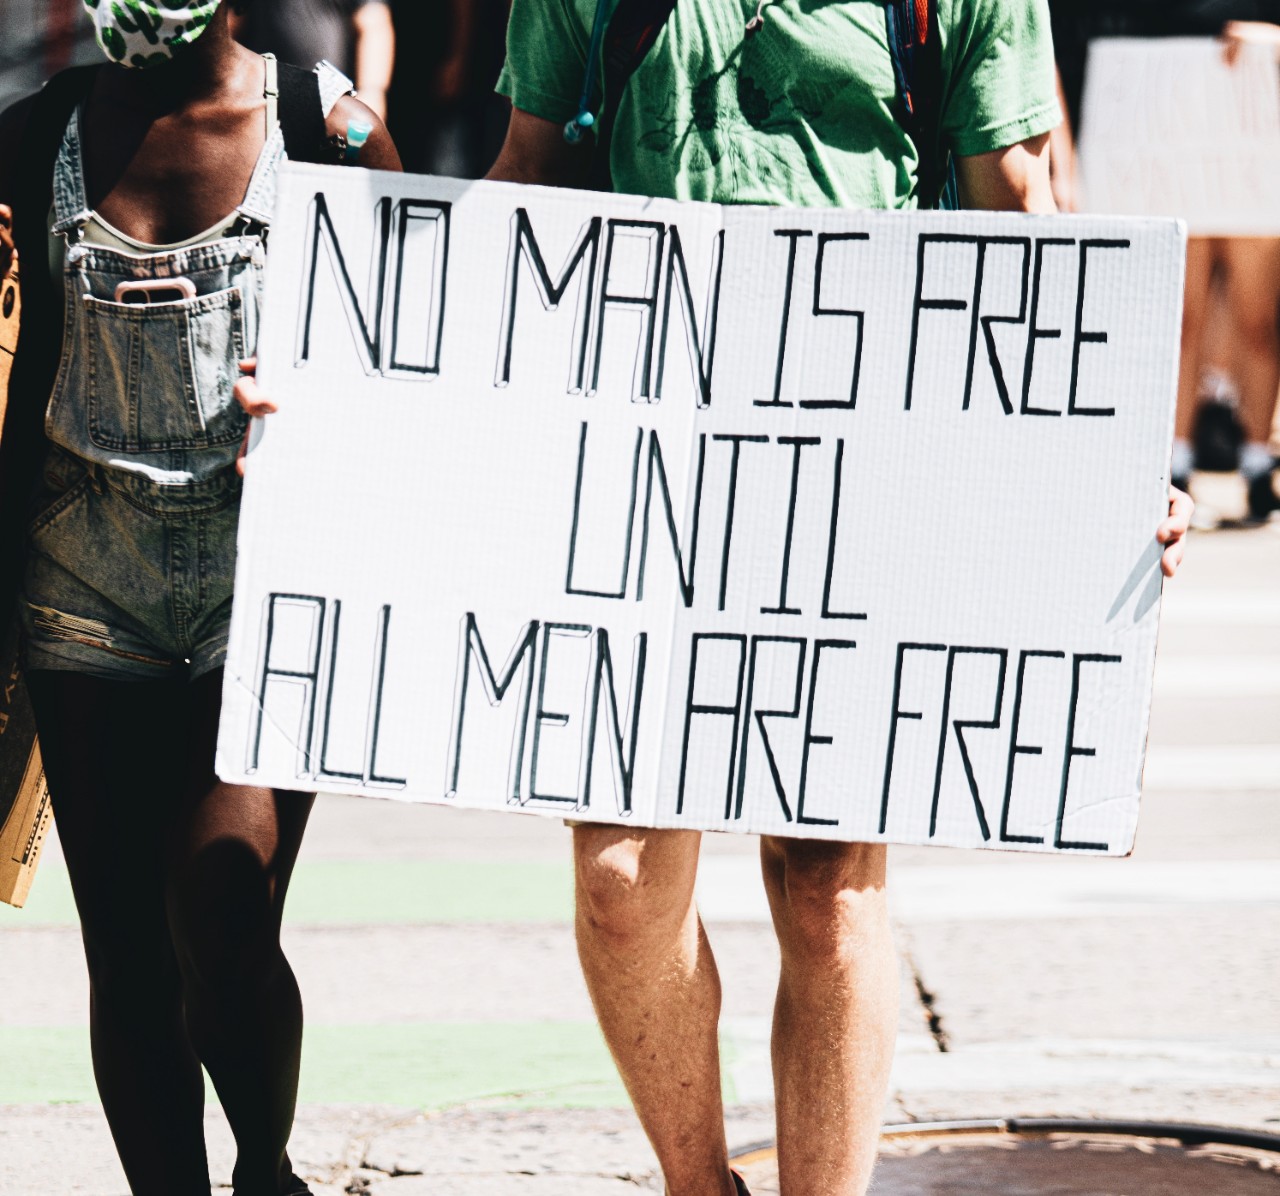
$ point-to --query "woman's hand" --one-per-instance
(1238, 34)
(255, 404)
(1173, 531)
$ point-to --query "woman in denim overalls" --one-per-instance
(163, 191)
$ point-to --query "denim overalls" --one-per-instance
(131, 552)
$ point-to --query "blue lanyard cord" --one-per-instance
(575, 128)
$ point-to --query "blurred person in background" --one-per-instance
(356, 36)
(444, 114)
(1225, 414)
(38, 38)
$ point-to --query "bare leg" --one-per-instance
(1201, 253)
(653, 981)
(1253, 300)
(837, 1011)
(111, 751)
(179, 881)
(231, 856)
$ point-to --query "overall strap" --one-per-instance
(271, 91)
(259, 196)
(632, 31)
(295, 129)
(52, 115)
(915, 46)
(71, 211)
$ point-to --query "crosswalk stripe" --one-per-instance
(1047, 1065)
(1026, 888)
(1221, 768)
(1012, 891)
(1217, 677)
(1256, 608)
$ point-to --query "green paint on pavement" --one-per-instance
(45, 1065)
(546, 1065)
(394, 892)
(50, 902)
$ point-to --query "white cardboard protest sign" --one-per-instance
(821, 523)
(1168, 128)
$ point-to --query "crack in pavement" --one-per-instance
(924, 994)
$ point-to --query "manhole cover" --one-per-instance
(1047, 1158)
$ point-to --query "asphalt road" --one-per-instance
(451, 1047)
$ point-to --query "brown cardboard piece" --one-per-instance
(25, 814)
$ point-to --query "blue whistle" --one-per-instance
(574, 129)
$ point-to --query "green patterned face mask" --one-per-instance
(140, 33)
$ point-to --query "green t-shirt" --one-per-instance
(802, 112)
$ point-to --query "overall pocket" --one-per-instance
(160, 375)
(63, 482)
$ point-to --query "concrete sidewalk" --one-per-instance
(451, 1047)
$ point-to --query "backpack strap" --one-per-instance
(632, 31)
(35, 361)
(302, 117)
(915, 46)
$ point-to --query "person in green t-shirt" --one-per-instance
(802, 110)
(803, 113)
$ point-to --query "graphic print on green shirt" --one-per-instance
(804, 112)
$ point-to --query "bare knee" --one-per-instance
(226, 926)
(828, 899)
(633, 889)
(231, 959)
(1257, 332)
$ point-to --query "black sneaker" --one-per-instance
(741, 1183)
(1264, 497)
(1218, 438)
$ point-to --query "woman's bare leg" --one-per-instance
(180, 882)
(111, 753)
(230, 858)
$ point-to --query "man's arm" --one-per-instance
(1062, 154)
(547, 47)
(1013, 179)
(375, 54)
(535, 151)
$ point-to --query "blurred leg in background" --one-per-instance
(1230, 375)
(1196, 306)
(444, 114)
(1252, 292)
